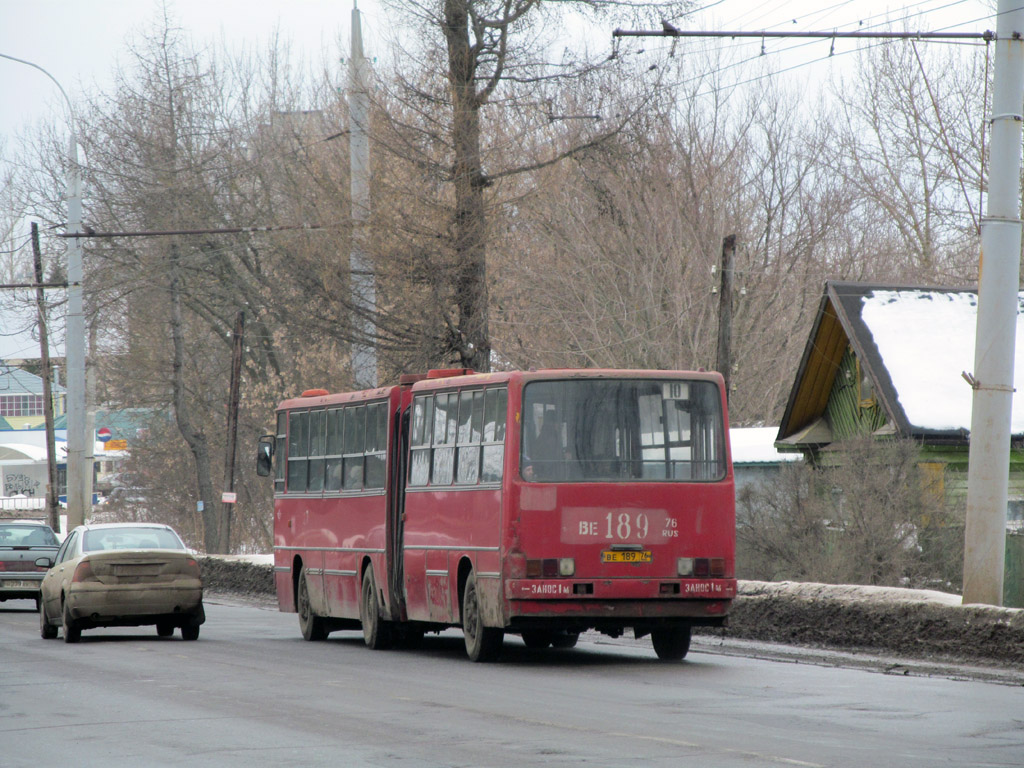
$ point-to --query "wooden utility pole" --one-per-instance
(224, 537)
(724, 361)
(52, 502)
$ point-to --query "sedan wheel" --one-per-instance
(190, 631)
(46, 629)
(164, 629)
(72, 632)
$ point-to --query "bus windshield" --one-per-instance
(622, 430)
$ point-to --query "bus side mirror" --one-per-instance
(265, 455)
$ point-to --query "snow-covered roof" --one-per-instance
(756, 445)
(926, 341)
(913, 343)
(21, 452)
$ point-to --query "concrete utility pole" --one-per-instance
(364, 289)
(74, 338)
(998, 286)
(74, 342)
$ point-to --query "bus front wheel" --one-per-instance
(312, 626)
(482, 643)
(671, 643)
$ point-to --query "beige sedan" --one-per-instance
(121, 575)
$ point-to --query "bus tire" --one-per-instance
(376, 631)
(671, 643)
(565, 639)
(312, 626)
(537, 638)
(482, 643)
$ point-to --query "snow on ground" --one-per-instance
(253, 559)
(847, 592)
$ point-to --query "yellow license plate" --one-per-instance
(625, 556)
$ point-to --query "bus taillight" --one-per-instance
(702, 567)
(550, 568)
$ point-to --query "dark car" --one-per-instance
(22, 542)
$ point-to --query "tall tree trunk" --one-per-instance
(195, 438)
(471, 333)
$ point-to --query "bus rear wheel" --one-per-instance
(376, 631)
(482, 643)
(537, 638)
(565, 640)
(313, 627)
(671, 643)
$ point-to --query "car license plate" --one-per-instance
(625, 556)
(19, 584)
(136, 570)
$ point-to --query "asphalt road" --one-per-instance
(252, 693)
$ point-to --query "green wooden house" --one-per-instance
(890, 361)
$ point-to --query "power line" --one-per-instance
(669, 30)
(223, 231)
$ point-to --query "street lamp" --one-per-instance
(74, 338)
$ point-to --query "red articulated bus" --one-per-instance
(540, 503)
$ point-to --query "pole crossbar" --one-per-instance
(670, 31)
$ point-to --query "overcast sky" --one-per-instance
(80, 41)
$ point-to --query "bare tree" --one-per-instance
(911, 149)
(866, 515)
(490, 63)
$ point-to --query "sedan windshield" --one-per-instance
(130, 538)
(608, 429)
(27, 536)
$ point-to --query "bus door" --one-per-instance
(396, 513)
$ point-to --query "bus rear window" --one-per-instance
(622, 429)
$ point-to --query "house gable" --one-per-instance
(815, 377)
(858, 330)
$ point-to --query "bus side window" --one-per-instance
(422, 421)
(446, 412)
(355, 441)
(317, 440)
(471, 412)
(335, 425)
(495, 407)
(298, 445)
(280, 453)
(376, 445)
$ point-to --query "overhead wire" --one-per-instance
(870, 22)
